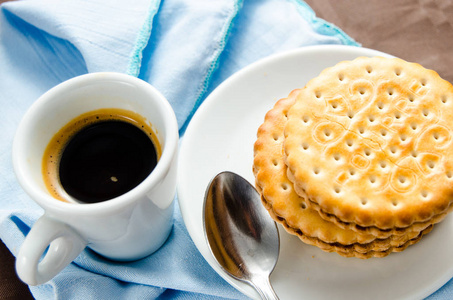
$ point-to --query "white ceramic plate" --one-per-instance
(220, 137)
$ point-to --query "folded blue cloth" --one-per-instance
(184, 48)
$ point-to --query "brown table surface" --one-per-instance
(419, 31)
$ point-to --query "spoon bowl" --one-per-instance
(242, 236)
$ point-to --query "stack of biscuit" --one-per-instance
(360, 160)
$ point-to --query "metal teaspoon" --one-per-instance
(240, 233)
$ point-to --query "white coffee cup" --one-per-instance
(128, 227)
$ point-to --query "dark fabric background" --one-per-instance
(415, 30)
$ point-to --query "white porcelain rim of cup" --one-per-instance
(45, 199)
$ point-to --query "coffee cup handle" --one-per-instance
(62, 243)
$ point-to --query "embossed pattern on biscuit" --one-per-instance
(289, 209)
(374, 145)
(271, 180)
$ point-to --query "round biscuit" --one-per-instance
(289, 209)
(369, 141)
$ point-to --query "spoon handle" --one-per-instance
(263, 286)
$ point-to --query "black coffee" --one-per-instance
(100, 155)
(106, 160)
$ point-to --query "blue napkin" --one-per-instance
(185, 48)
